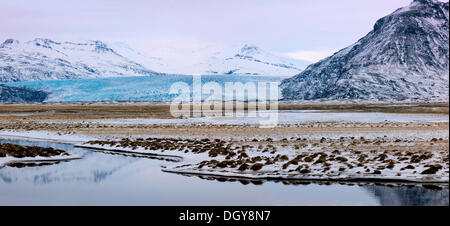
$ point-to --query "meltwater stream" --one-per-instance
(113, 179)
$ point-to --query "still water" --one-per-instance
(101, 178)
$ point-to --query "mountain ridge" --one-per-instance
(252, 60)
(405, 56)
(244, 59)
(45, 59)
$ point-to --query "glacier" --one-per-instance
(142, 88)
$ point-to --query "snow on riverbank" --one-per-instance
(406, 155)
(8, 159)
(46, 136)
(291, 117)
(303, 160)
(31, 155)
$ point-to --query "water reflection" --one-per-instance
(388, 194)
(32, 164)
(92, 167)
(105, 177)
(416, 196)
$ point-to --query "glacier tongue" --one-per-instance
(405, 56)
(138, 88)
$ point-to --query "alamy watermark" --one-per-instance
(250, 100)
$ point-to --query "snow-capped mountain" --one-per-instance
(405, 56)
(250, 60)
(214, 60)
(44, 59)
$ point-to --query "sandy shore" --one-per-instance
(406, 142)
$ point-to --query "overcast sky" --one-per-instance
(305, 29)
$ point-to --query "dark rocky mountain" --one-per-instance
(18, 94)
(404, 57)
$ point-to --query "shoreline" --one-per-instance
(353, 180)
(182, 159)
(404, 143)
(10, 155)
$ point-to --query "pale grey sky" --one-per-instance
(299, 28)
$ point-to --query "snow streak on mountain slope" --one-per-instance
(44, 59)
(405, 56)
(154, 63)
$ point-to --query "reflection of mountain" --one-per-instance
(64, 172)
(93, 167)
(5, 179)
(404, 196)
(386, 196)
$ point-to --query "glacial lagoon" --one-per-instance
(108, 178)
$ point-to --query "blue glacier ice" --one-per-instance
(145, 88)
